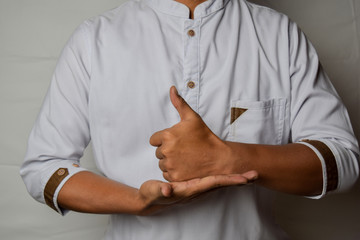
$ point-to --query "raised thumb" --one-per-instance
(180, 104)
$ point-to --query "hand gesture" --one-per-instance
(189, 149)
(158, 195)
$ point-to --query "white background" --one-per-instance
(32, 34)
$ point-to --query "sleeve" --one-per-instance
(318, 118)
(61, 131)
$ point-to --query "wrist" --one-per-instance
(132, 204)
(141, 203)
(235, 158)
(224, 157)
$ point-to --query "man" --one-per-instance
(255, 105)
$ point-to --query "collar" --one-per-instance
(177, 9)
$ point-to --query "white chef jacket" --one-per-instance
(247, 70)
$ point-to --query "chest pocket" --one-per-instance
(260, 122)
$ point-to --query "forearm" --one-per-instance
(291, 168)
(91, 193)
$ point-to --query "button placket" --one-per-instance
(191, 62)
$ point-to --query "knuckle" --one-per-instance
(166, 151)
(167, 135)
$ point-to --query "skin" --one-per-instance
(191, 4)
(91, 193)
(190, 145)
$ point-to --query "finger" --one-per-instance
(251, 175)
(180, 104)
(156, 139)
(153, 190)
(158, 153)
(216, 181)
(166, 176)
(200, 185)
(162, 166)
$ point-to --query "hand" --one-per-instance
(189, 149)
(157, 195)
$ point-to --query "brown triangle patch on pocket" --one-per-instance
(236, 113)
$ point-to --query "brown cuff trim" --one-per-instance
(330, 162)
(236, 113)
(52, 185)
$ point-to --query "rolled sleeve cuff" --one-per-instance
(59, 175)
(329, 165)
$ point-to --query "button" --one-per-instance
(191, 33)
(61, 172)
(191, 84)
